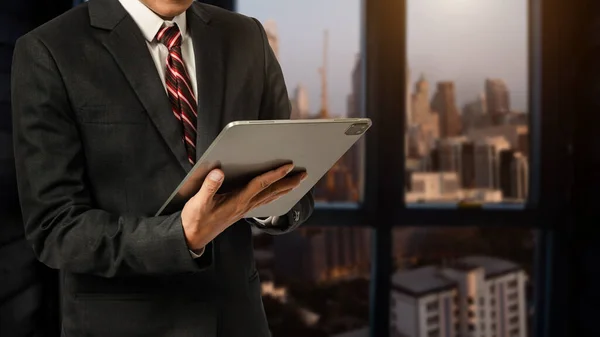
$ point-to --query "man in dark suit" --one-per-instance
(106, 123)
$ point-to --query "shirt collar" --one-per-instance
(148, 21)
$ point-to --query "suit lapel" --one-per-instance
(210, 76)
(127, 45)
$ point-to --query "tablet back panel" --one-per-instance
(246, 149)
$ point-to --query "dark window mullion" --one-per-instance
(385, 54)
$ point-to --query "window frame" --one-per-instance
(383, 140)
(383, 46)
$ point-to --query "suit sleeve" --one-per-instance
(61, 223)
(275, 104)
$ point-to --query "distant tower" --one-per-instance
(324, 113)
(271, 30)
(498, 99)
(408, 103)
(444, 103)
(300, 107)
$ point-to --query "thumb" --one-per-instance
(211, 184)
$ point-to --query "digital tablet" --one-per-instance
(246, 149)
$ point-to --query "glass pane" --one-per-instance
(315, 281)
(470, 281)
(467, 102)
(319, 52)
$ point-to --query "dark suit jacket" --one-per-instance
(98, 151)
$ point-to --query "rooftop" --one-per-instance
(421, 281)
(492, 266)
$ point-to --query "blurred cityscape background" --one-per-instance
(467, 142)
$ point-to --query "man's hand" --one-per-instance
(207, 213)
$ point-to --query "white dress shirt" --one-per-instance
(150, 23)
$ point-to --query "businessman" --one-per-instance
(113, 102)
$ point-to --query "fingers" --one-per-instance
(264, 181)
(273, 197)
(211, 185)
(280, 186)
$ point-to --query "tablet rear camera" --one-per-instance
(357, 129)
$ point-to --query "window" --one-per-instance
(322, 65)
(460, 150)
(433, 320)
(323, 271)
(433, 333)
(432, 306)
(467, 121)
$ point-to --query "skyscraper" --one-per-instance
(300, 106)
(498, 100)
(408, 98)
(354, 156)
(271, 30)
(444, 103)
(421, 109)
(423, 127)
(475, 114)
(514, 174)
(487, 161)
(322, 254)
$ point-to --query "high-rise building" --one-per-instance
(300, 106)
(474, 296)
(355, 106)
(408, 103)
(467, 174)
(512, 133)
(271, 30)
(444, 103)
(433, 186)
(420, 106)
(474, 114)
(455, 154)
(487, 161)
(498, 99)
(449, 154)
(422, 127)
(354, 157)
(520, 177)
(514, 174)
(322, 254)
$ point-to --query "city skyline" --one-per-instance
(452, 51)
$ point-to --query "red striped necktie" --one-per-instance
(179, 88)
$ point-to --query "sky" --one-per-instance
(465, 41)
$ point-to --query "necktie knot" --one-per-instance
(170, 36)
